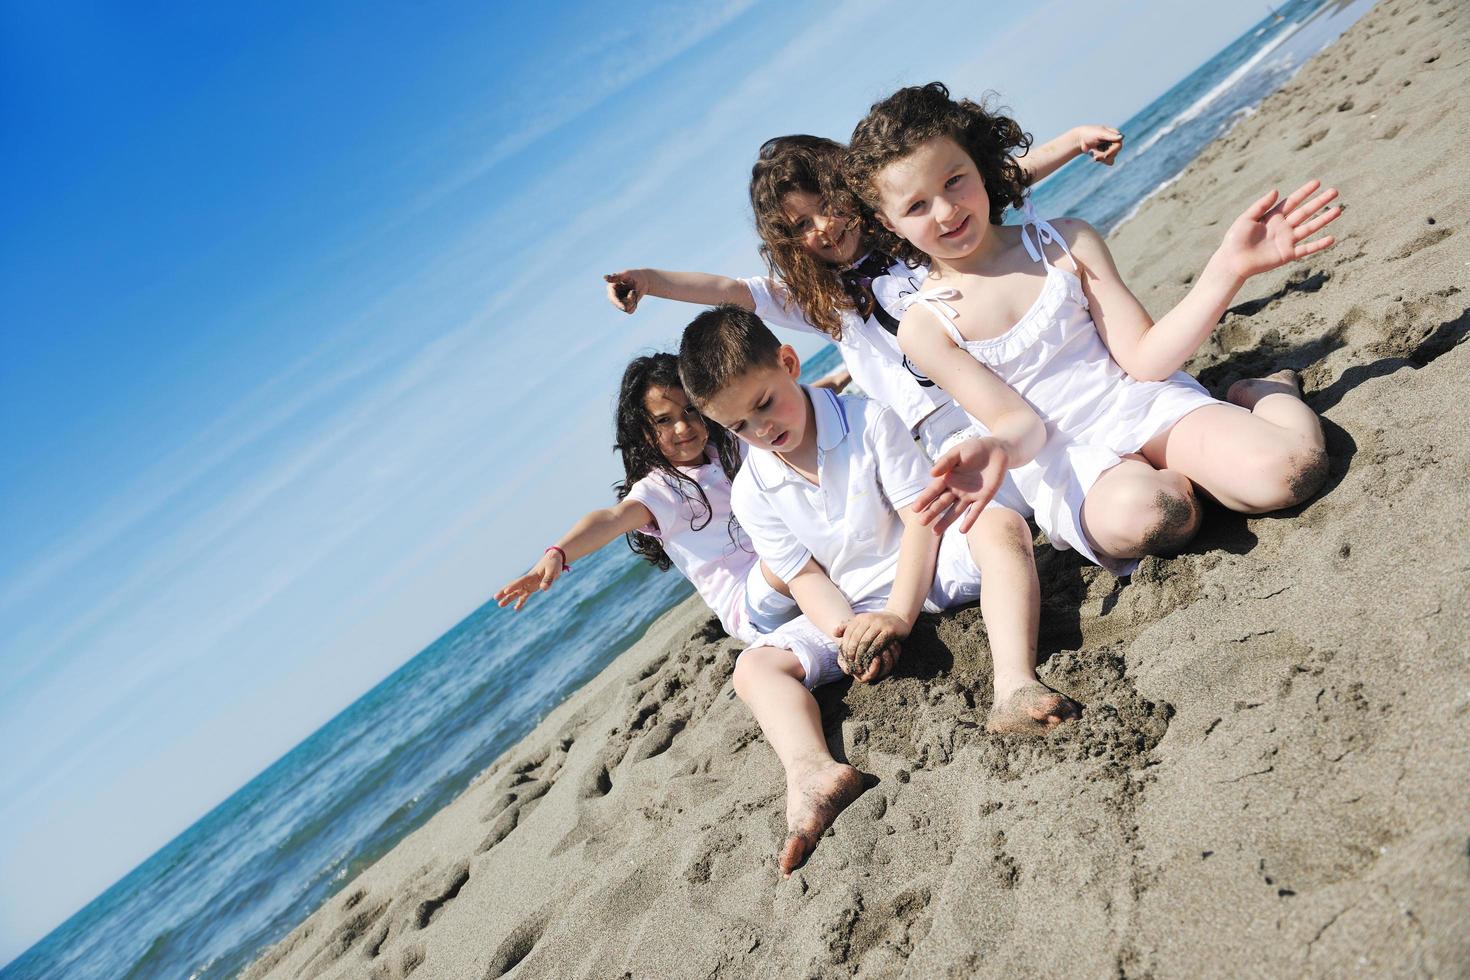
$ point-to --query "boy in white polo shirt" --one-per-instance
(829, 496)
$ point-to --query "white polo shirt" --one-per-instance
(868, 468)
(871, 352)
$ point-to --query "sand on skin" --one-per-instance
(1269, 779)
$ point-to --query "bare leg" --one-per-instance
(1135, 510)
(818, 787)
(1010, 602)
(1254, 460)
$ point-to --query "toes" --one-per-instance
(1047, 718)
(1032, 709)
(795, 851)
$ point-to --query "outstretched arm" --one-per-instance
(594, 530)
(1102, 143)
(1266, 236)
(626, 288)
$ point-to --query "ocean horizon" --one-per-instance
(240, 878)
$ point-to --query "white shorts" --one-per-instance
(956, 582)
(765, 608)
(947, 427)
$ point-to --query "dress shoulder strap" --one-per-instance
(933, 300)
(1044, 234)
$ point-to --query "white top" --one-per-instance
(700, 544)
(869, 345)
(868, 468)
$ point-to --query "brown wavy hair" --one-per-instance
(810, 165)
(910, 117)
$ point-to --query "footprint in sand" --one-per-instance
(657, 741)
(1312, 138)
(445, 891)
(345, 936)
(1423, 240)
(516, 947)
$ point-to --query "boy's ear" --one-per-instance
(883, 220)
(789, 360)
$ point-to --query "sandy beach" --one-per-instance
(1270, 777)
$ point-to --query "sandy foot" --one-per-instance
(1033, 709)
(814, 797)
(1248, 391)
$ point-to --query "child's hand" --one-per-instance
(878, 666)
(538, 579)
(965, 478)
(1270, 234)
(1102, 143)
(866, 641)
(625, 289)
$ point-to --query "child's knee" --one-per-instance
(1174, 516)
(1157, 516)
(1285, 478)
(762, 664)
(1306, 471)
(748, 666)
(1000, 528)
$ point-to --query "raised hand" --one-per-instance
(965, 478)
(1270, 233)
(538, 579)
(1102, 143)
(625, 289)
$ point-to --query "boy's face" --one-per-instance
(678, 429)
(935, 199)
(765, 407)
(832, 238)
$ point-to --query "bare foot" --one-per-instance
(1031, 709)
(1248, 391)
(815, 794)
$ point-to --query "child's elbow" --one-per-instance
(1031, 436)
(1144, 371)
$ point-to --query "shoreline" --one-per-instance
(1263, 782)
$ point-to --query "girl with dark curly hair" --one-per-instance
(673, 506)
(831, 271)
(1033, 332)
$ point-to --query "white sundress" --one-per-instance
(1095, 412)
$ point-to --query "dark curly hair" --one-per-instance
(638, 446)
(806, 165)
(910, 117)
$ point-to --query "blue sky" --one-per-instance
(305, 351)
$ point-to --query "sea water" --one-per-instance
(242, 877)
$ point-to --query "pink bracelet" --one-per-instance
(566, 566)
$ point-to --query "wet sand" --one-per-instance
(1270, 777)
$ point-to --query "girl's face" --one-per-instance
(936, 199)
(678, 429)
(835, 239)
